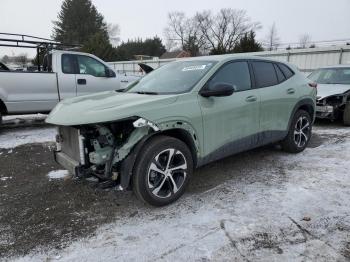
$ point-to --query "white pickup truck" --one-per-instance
(64, 74)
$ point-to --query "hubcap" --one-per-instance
(167, 173)
(302, 131)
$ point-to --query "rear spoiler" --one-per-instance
(146, 68)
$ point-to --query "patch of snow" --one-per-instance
(258, 216)
(16, 137)
(24, 117)
(4, 178)
(58, 174)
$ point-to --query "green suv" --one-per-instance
(150, 136)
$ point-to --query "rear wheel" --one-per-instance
(346, 115)
(162, 171)
(299, 133)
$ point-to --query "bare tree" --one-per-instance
(304, 40)
(223, 30)
(272, 38)
(182, 32)
(113, 33)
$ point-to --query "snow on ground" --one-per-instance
(4, 178)
(58, 174)
(294, 207)
(18, 118)
(12, 138)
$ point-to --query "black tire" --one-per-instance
(158, 188)
(346, 115)
(0, 119)
(299, 133)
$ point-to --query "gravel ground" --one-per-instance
(262, 205)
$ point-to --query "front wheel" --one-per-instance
(299, 133)
(162, 170)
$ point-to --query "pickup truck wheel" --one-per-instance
(346, 115)
(162, 170)
(299, 133)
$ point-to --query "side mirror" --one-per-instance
(220, 89)
(110, 73)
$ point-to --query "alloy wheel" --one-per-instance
(167, 173)
(302, 131)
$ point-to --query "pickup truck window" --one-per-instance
(90, 66)
(68, 64)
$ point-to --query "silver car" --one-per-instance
(333, 92)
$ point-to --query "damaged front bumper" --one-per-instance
(67, 162)
(324, 111)
(101, 150)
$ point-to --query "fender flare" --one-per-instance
(304, 102)
(127, 165)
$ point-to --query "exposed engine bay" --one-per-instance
(332, 107)
(98, 150)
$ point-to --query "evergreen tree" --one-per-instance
(149, 47)
(79, 22)
(247, 43)
(100, 47)
(154, 47)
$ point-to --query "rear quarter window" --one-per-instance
(288, 73)
(280, 76)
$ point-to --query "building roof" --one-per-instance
(175, 54)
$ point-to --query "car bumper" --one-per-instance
(66, 162)
(324, 111)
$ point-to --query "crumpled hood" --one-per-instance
(105, 107)
(325, 90)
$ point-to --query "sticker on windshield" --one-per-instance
(193, 68)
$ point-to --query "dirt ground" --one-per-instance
(39, 214)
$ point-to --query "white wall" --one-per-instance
(305, 59)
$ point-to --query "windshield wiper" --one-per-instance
(120, 90)
(145, 93)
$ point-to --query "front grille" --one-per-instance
(70, 142)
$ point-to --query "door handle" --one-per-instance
(251, 99)
(290, 91)
(81, 81)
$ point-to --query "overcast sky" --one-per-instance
(322, 19)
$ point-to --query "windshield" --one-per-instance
(172, 78)
(331, 76)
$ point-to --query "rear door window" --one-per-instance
(264, 73)
(235, 73)
(68, 64)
